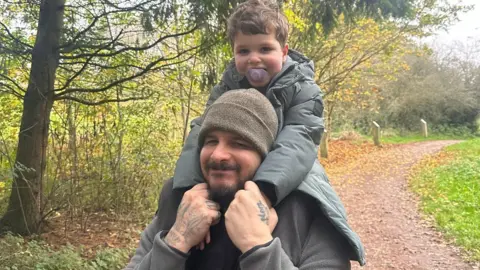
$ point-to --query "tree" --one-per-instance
(64, 61)
(438, 88)
(352, 58)
(82, 51)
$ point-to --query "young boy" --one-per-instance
(258, 33)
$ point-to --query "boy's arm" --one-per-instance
(295, 149)
(187, 170)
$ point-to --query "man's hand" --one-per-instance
(273, 219)
(195, 215)
(248, 218)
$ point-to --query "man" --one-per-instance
(229, 212)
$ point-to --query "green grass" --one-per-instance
(17, 254)
(414, 138)
(450, 193)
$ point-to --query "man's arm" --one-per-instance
(164, 250)
(154, 254)
(152, 245)
(324, 248)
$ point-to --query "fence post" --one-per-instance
(424, 128)
(376, 133)
(324, 145)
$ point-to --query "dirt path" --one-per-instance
(384, 213)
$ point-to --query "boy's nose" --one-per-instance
(254, 59)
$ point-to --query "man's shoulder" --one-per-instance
(169, 198)
(298, 202)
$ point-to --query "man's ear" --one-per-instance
(285, 53)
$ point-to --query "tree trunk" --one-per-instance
(23, 215)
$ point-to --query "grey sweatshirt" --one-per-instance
(303, 239)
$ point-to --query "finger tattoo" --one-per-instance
(211, 205)
(263, 212)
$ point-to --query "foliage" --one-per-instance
(355, 62)
(20, 254)
(445, 99)
(450, 192)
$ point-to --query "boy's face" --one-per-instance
(259, 52)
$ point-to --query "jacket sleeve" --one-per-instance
(154, 254)
(295, 149)
(152, 251)
(187, 170)
(323, 249)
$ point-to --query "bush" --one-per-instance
(22, 255)
(452, 131)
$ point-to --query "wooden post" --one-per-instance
(376, 133)
(424, 128)
(324, 145)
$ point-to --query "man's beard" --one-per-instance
(224, 195)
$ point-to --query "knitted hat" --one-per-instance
(246, 112)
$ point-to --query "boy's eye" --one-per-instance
(266, 49)
(243, 51)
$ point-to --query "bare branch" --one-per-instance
(14, 38)
(13, 82)
(69, 47)
(148, 68)
(15, 52)
(103, 101)
(101, 66)
(127, 8)
(70, 80)
(12, 91)
(135, 49)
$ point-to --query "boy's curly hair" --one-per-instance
(258, 17)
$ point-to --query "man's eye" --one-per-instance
(210, 142)
(241, 145)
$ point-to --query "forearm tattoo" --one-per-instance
(263, 212)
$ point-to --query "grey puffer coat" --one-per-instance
(292, 162)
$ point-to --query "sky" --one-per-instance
(467, 27)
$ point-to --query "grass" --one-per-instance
(416, 138)
(16, 253)
(449, 188)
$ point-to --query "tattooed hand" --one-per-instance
(195, 215)
(248, 217)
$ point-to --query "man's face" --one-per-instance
(260, 52)
(227, 162)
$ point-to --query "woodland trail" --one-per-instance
(385, 214)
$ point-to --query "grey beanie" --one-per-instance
(246, 112)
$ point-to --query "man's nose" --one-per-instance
(220, 153)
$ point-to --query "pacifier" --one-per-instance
(257, 75)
